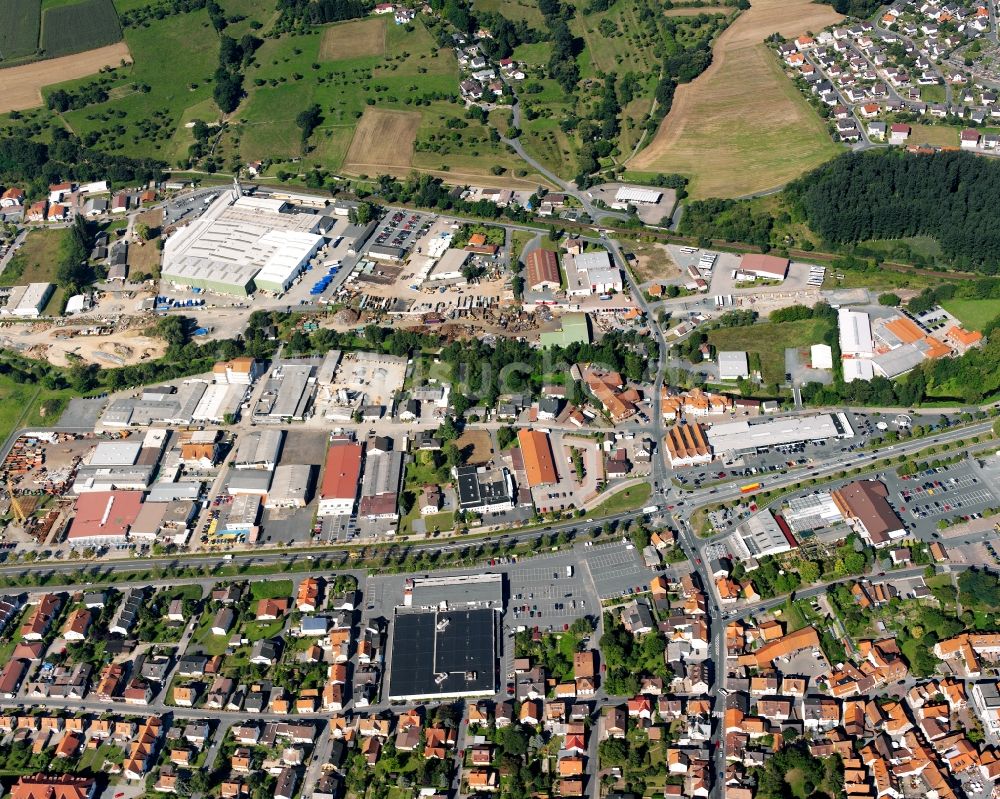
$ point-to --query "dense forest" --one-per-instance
(33, 165)
(889, 194)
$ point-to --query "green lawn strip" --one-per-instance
(622, 501)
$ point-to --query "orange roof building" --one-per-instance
(341, 479)
(538, 461)
(806, 638)
(687, 445)
(963, 339)
(906, 330)
(44, 786)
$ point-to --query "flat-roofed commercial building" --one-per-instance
(733, 365)
(539, 465)
(238, 238)
(591, 273)
(636, 195)
(443, 654)
(812, 512)
(855, 333)
(380, 485)
(259, 449)
(484, 490)
(291, 486)
(341, 478)
(762, 535)
(449, 265)
(454, 592)
(741, 437)
(28, 301)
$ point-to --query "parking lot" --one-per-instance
(615, 569)
(542, 595)
(401, 229)
(947, 492)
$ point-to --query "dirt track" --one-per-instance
(22, 85)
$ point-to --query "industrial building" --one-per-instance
(291, 486)
(733, 365)
(855, 332)
(249, 481)
(542, 270)
(465, 591)
(239, 371)
(449, 266)
(287, 395)
(241, 239)
(765, 267)
(760, 535)
(380, 485)
(27, 301)
(104, 517)
(591, 273)
(636, 195)
(821, 356)
(865, 505)
(744, 437)
(536, 450)
(812, 512)
(160, 405)
(219, 402)
(341, 476)
(484, 490)
(259, 449)
(443, 654)
(243, 513)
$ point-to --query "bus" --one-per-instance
(749, 488)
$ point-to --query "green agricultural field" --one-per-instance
(769, 341)
(19, 31)
(72, 27)
(973, 314)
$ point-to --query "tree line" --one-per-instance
(34, 165)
